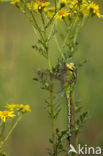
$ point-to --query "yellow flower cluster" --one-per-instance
(37, 6)
(71, 8)
(67, 8)
(24, 108)
(12, 106)
(10, 113)
(20, 107)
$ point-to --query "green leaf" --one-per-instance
(57, 131)
(51, 141)
(57, 113)
(82, 63)
(40, 50)
(82, 120)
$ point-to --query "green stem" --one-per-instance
(43, 21)
(75, 127)
(32, 23)
(28, 17)
(45, 35)
(79, 27)
(55, 6)
(49, 65)
(50, 34)
(35, 31)
(55, 20)
(52, 119)
(39, 30)
(76, 143)
(76, 33)
(49, 22)
(2, 127)
(13, 127)
(60, 50)
(68, 33)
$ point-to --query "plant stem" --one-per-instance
(54, 22)
(43, 21)
(75, 126)
(79, 27)
(49, 65)
(68, 33)
(60, 50)
(55, 6)
(39, 30)
(52, 118)
(45, 33)
(2, 129)
(76, 143)
(13, 127)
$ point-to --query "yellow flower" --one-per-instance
(30, 5)
(24, 108)
(75, 2)
(83, 9)
(40, 5)
(94, 9)
(72, 3)
(37, 5)
(15, 2)
(62, 14)
(70, 66)
(50, 11)
(12, 106)
(64, 2)
(4, 115)
(45, 10)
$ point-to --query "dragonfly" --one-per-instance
(68, 96)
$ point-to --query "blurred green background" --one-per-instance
(17, 64)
